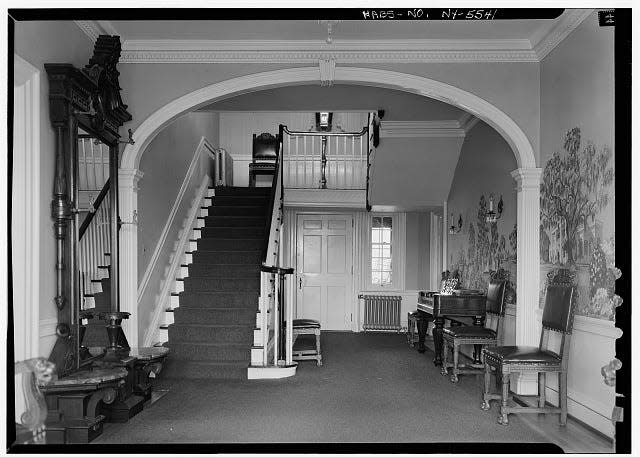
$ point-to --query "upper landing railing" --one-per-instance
(325, 160)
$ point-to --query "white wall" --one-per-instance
(577, 90)
(166, 166)
(40, 42)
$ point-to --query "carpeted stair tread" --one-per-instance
(234, 221)
(229, 270)
(204, 284)
(221, 191)
(217, 299)
(205, 369)
(222, 315)
(240, 200)
(257, 211)
(226, 257)
(230, 244)
(232, 232)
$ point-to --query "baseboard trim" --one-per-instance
(588, 427)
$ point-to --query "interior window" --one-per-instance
(381, 272)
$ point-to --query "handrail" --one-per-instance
(96, 204)
(369, 151)
(301, 133)
(272, 197)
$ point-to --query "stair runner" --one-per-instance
(212, 333)
(96, 333)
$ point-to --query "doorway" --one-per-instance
(324, 269)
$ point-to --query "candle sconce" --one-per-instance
(492, 216)
(452, 228)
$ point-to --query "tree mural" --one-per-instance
(574, 189)
(482, 238)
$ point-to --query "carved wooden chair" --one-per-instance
(456, 336)
(265, 153)
(557, 317)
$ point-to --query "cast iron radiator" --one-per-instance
(381, 312)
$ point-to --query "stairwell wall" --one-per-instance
(174, 167)
(40, 42)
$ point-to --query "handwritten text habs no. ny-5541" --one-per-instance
(443, 14)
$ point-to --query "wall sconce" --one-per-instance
(492, 216)
(452, 228)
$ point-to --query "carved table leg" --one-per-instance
(422, 322)
(477, 348)
(438, 324)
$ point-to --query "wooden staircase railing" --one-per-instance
(94, 243)
(276, 319)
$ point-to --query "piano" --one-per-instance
(461, 307)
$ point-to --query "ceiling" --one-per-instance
(306, 41)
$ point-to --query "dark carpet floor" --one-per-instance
(371, 388)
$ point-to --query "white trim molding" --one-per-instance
(93, 29)
(422, 129)
(559, 31)
(128, 179)
(325, 198)
(327, 71)
(25, 203)
(528, 255)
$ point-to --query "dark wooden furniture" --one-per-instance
(307, 327)
(456, 336)
(75, 403)
(557, 317)
(149, 362)
(465, 307)
(264, 154)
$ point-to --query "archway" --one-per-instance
(527, 175)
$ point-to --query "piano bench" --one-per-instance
(307, 327)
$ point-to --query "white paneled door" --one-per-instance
(324, 269)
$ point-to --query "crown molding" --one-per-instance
(93, 29)
(422, 129)
(307, 51)
(559, 31)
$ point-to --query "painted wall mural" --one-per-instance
(576, 187)
(490, 247)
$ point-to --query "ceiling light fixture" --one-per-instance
(329, 24)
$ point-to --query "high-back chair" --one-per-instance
(456, 336)
(264, 155)
(557, 317)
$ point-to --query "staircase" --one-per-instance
(213, 326)
(100, 301)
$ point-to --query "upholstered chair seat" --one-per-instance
(522, 354)
(305, 323)
(469, 331)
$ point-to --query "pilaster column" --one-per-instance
(128, 195)
(528, 263)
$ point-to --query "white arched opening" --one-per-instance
(527, 175)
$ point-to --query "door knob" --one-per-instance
(300, 281)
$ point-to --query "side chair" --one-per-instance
(557, 317)
(456, 336)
